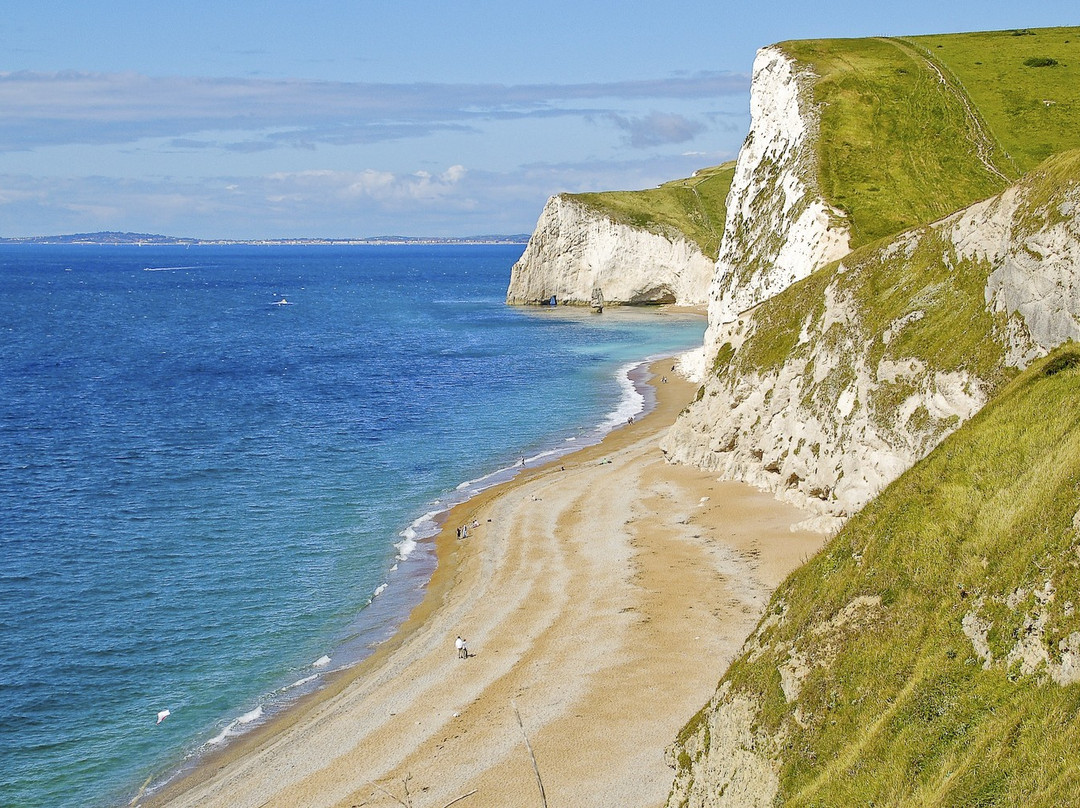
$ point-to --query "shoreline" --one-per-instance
(405, 669)
(408, 579)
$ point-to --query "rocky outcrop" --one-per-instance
(575, 249)
(723, 759)
(829, 391)
(1030, 235)
(778, 227)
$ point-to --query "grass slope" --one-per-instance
(896, 706)
(896, 145)
(913, 129)
(693, 207)
(1032, 111)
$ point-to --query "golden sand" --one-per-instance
(602, 596)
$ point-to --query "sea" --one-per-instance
(221, 468)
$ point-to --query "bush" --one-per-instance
(1066, 360)
(1040, 61)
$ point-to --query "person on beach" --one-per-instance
(462, 648)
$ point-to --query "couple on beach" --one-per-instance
(463, 531)
(462, 648)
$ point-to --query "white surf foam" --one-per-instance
(420, 529)
(631, 403)
(235, 727)
(300, 682)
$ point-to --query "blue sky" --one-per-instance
(269, 119)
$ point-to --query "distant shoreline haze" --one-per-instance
(143, 239)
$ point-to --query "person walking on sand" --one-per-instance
(462, 649)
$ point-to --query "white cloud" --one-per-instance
(379, 186)
(321, 201)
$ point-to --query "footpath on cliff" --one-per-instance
(601, 597)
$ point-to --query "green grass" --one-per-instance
(694, 207)
(1011, 95)
(896, 146)
(897, 709)
(912, 129)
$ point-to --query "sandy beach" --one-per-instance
(601, 596)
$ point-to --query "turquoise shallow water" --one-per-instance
(206, 498)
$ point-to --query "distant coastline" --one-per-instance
(112, 238)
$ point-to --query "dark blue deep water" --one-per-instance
(202, 494)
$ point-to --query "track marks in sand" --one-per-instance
(603, 597)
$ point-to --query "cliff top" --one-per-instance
(693, 207)
(913, 129)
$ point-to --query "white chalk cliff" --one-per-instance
(778, 228)
(576, 248)
(829, 411)
(857, 397)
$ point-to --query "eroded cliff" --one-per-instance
(576, 248)
(832, 389)
(778, 228)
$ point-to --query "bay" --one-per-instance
(207, 495)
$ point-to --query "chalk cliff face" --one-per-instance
(825, 391)
(778, 228)
(575, 249)
(829, 391)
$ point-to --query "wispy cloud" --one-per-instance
(95, 108)
(658, 128)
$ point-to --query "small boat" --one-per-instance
(597, 300)
(282, 302)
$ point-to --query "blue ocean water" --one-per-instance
(207, 499)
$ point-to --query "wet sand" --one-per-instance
(602, 597)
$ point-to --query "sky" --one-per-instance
(255, 119)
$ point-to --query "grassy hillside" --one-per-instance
(915, 661)
(694, 206)
(929, 655)
(896, 146)
(1025, 85)
(914, 129)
